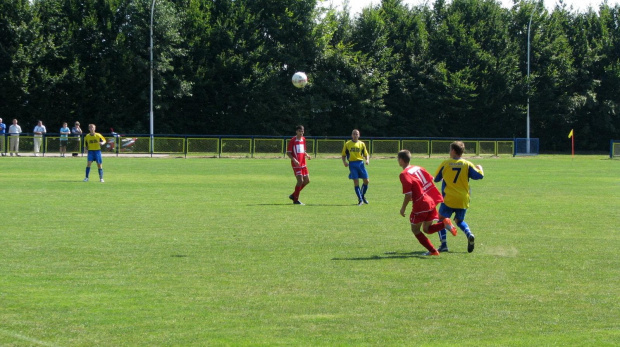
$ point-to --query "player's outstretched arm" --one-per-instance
(476, 172)
(406, 200)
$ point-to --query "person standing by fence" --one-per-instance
(77, 132)
(2, 137)
(14, 131)
(64, 138)
(39, 131)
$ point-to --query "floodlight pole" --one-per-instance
(151, 93)
(527, 145)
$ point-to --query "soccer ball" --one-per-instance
(300, 79)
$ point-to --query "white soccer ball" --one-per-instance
(300, 79)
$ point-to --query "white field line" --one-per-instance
(26, 338)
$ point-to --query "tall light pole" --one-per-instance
(527, 145)
(151, 94)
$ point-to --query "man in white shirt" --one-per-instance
(39, 131)
(14, 131)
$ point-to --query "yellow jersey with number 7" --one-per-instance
(455, 174)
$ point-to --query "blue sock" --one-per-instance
(101, 173)
(442, 236)
(364, 189)
(358, 192)
(87, 171)
(463, 226)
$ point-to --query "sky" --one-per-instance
(578, 5)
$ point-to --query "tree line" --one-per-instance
(445, 69)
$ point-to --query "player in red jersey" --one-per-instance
(418, 187)
(296, 150)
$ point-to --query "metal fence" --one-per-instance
(257, 146)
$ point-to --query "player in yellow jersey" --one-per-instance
(354, 154)
(455, 174)
(93, 142)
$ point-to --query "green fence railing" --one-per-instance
(258, 146)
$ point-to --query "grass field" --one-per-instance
(176, 252)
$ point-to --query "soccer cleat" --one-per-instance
(101, 180)
(470, 243)
(365, 201)
(291, 197)
(432, 253)
(448, 225)
(360, 203)
(86, 179)
(443, 248)
(297, 202)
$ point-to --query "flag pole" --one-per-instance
(571, 136)
(573, 144)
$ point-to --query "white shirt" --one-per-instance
(40, 129)
(15, 129)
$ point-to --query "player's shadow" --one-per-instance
(391, 255)
(288, 203)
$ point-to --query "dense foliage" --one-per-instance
(449, 69)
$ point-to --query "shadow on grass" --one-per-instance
(391, 255)
(288, 203)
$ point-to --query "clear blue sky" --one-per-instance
(578, 5)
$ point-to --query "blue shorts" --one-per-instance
(357, 170)
(459, 213)
(95, 156)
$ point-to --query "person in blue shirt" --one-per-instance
(2, 137)
(64, 138)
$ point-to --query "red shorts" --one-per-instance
(301, 171)
(427, 216)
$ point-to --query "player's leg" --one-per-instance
(365, 189)
(417, 223)
(459, 218)
(100, 167)
(431, 227)
(298, 185)
(444, 213)
(88, 164)
(305, 180)
(358, 191)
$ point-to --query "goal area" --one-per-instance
(525, 146)
(614, 149)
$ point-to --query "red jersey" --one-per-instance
(298, 148)
(419, 183)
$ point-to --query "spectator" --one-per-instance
(64, 138)
(14, 131)
(39, 131)
(2, 137)
(77, 131)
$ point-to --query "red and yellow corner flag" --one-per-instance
(570, 136)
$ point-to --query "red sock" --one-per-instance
(435, 228)
(302, 186)
(424, 241)
(296, 193)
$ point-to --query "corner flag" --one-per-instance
(570, 136)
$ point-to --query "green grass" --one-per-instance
(212, 252)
